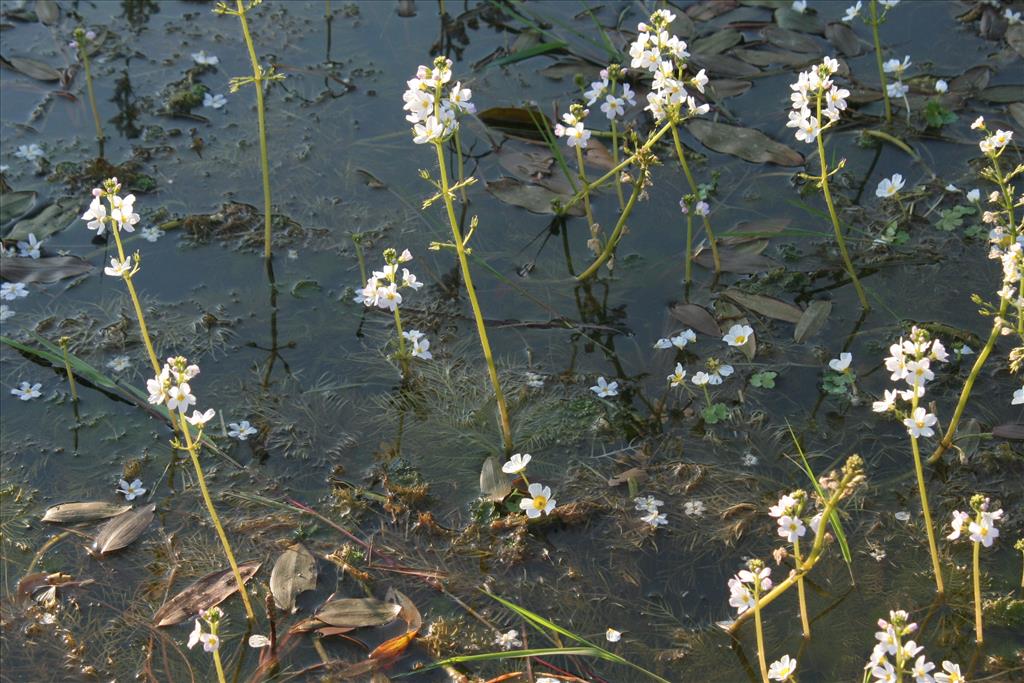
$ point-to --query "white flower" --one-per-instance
(180, 397)
(605, 389)
(978, 123)
(5, 312)
(748, 460)
(429, 131)
(884, 674)
(678, 378)
(123, 213)
(647, 503)
(801, 7)
(920, 423)
(214, 101)
(30, 249)
(1018, 396)
(738, 335)
(10, 291)
(896, 66)
(613, 107)
(388, 297)
(896, 89)
(206, 60)
(952, 673)
(151, 234)
(211, 643)
(842, 363)
(694, 508)
(702, 209)
(655, 519)
(199, 419)
(508, 640)
(722, 371)
(577, 136)
(95, 215)
(612, 636)
(889, 4)
(902, 516)
(540, 501)
(27, 392)
(1011, 16)
(740, 596)
(920, 671)
(887, 638)
(941, 86)
(887, 403)
(700, 378)
(241, 430)
(29, 152)
(517, 463)
(130, 491)
(807, 130)
(984, 531)
(782, 669)
(258, 640)
(791, 528)
(888, 187)
(119, 363)
(118, 268)
(852, 12)
(459, 98)
(409, 280)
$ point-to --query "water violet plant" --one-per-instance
(983, 531)
(209, 638)
(383, 290)
(874, 20)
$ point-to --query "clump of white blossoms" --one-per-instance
(895, 655)
(896, 67)
(814, 87)
(210, 640)
(679, 341)
(982, 526)
(664, 55)
(572, 128)
(649, 505)
(789, 513)
(604, 91)
(748, 585)
(433, 104)
(910, 361)
(508, 640)
(121, 215)
(716, 372)
(383, 290)
(782, 669)
(172, 389)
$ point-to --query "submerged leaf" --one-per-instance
(16, 204)
(696, 317)
(356, 612)
(533, 198)
(1011, 431)
(494, 484)
(32, 68)
(790, 40)
(210, 590)
(735, 261)
(122, 530)
(46, 269)
(812, 320)
(844, 38)
(66, 513)
(53, 218)
(717, 42)
(792, 20)
(765, 305)
(293, 573)
(745, 143)
(515, 121)
(48, 12)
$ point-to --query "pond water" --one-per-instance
(396, 465)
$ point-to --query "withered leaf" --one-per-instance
(533, 198)
(812, 320)
(696, 317)
(745, 143)
(32, 68)
(122, 530)
(765, 305)
(83, 512)
(46, 269)
(352, 613)
(735, 261)
(293, 573)
(1011, 432)
(494, 484)
(210, 590)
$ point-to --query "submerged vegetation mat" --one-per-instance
(511, 341)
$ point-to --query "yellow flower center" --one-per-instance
(540, 502)
(741, 339)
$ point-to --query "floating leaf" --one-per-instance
(745, 143)
(724, 65)
(293, 573)
(357, 612)
(790, 40)
(709, 9)
(696, 317)
(516, 122)
(210, 590)
(556, 71)
(792, 20)
(972, 80)
(531, 197)
(717, 42)
(494, 484)
(1003, 94)
(50, 220)
(122, 530)
(735, 261)
(844, 38)
(765, 305)
(812, 320)
(32, 68)
(1015, 38)
(48, 12)
(1011, 432)
(722, 88)
(66, 513)
(16, 204)
(46, 269)
(770, 57)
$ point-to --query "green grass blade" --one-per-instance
(498, 656)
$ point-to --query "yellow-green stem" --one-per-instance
(467, 277)
(977, 594)
(873, 7)
(615, 161)
(143, 329)
(193, 451)
(92, 95)
(613, 240)
(932, 548)
(257, 74)
(67, 368)
(804, 621)
(462, 170)
(586, 190)
(219, 666)
(404, 358)
(689, 245)
(835, 218)
(693, 189)
(758, 630)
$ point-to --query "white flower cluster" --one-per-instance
(649, 505)
(783, 668)
(813, 86)
(895, 66)
(209, 639)
(382, 290)
(171, 388)
(854, 11)
(893, 657)
(664, 55)
(741, 587)
(575, 134)
(716, 372)
(122, 209)
(539, 502)
(612, 105)
(434, 106)
(788, 513)
(679, 341)
(995, 142)
(910, 360)
(982, 527)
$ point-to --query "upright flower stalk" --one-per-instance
(897, 657)
(815, 85)
(1005, 246)
(122, 217)
(983, 532)
(260, 76)
(81, 43)
(910, 361)
(433, 108)
(788, 512)
(210, 640)
(874, 20)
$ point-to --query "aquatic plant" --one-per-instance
(260, 77)
(745, 591)
(812, 88)
(434, 108)
(788, 513)
(210, 640)
(896, 655)
(874, 20)
(983, 532)
(81, 44)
